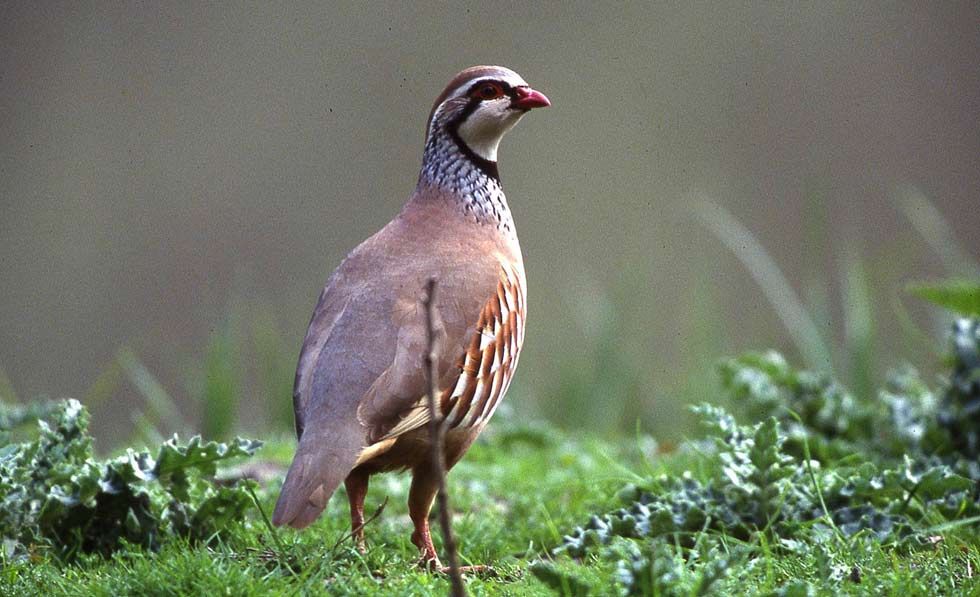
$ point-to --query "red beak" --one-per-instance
(528, 98)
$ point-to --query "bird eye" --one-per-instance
(489, 91)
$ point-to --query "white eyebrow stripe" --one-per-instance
(512, 79)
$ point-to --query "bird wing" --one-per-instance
(361, 367)
(397, 402)
(484, 364)
(330, 307)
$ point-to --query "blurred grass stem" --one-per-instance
(769, 277)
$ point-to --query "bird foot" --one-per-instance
(430, 562)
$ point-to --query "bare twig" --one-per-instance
(437, 432)
(353, 532)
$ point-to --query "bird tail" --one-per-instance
(321, 463)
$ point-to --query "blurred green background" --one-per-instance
(177, 182)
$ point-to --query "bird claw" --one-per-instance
(430, 563)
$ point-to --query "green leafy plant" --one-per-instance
(16, 416)
(822, 468)
(663, 569)
(960, 409)
(56, 495)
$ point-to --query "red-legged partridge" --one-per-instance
(361, 384)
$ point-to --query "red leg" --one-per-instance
(420, 497)
(357, 486)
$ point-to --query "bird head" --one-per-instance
(479, 106)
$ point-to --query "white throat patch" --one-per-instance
(486, 126)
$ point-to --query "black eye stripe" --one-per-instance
(472, 92)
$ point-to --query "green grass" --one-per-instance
(513, 495)
(519, 490)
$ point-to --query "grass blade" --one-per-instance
(161, 406)
(7, 392)
(788, 306)
(930, 223)
(959, 296)
(859, 327)
(220, 393)
(276, 363)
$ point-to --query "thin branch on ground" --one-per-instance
(437, 432)
(350, 534)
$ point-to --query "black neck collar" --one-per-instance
(488, 167)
